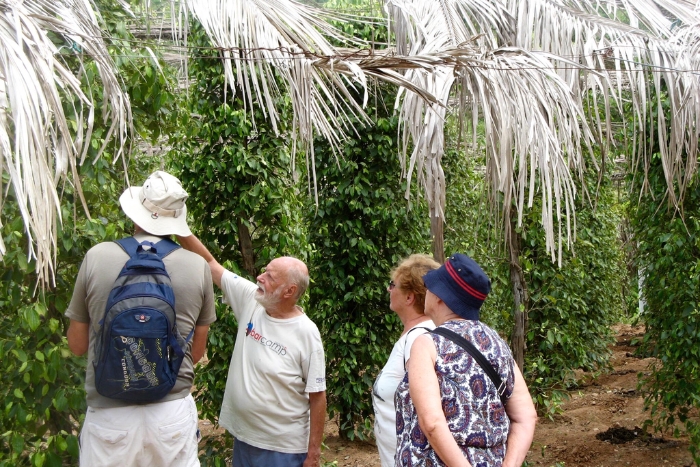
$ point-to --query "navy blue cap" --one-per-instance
(461, 284)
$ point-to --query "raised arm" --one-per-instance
(523, 418)
(193, 244)
(425, 394)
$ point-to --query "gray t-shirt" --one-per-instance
(194, 304)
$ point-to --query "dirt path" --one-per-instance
(609, 405)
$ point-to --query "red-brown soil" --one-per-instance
(609, 406)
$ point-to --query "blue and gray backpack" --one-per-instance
(138, 349)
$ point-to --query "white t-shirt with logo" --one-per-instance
(275, 364)
(383, 393)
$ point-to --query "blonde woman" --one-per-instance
(407, 300)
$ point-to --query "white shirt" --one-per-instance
(275, 364)
(383, 393)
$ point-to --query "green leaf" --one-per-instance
(550, 336)
(60, 401)
(73, 446)
(17, 443)
(38, 459)
(31, 317)
(61, 443)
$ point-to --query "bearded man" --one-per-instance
(275, 399)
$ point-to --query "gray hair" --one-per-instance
(298, 276)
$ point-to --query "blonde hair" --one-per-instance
(408, 275)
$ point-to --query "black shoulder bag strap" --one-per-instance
(478, 356)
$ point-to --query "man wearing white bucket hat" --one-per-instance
(118, 432)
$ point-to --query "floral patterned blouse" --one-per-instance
(474, 412)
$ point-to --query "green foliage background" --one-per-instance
(668, 258)
(360, 230)
(571, 308)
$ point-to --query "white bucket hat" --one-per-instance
(158, 207)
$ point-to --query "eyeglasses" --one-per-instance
(392, 285)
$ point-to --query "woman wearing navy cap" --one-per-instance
(448, 410)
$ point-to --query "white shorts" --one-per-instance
(151, 435)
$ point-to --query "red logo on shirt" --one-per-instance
(276, 347)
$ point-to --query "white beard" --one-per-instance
(265, 299)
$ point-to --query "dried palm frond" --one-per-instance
(533, 125)
(286, 35)
(534, 132)
(682, 84)
(487, 49)
(582, 39)
(256, 36)
(38, 148)
(504, 55)
(646, 48)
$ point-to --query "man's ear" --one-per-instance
(290, 291)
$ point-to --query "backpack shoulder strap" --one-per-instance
(478, 356)
(129, 245)
(165, 247)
